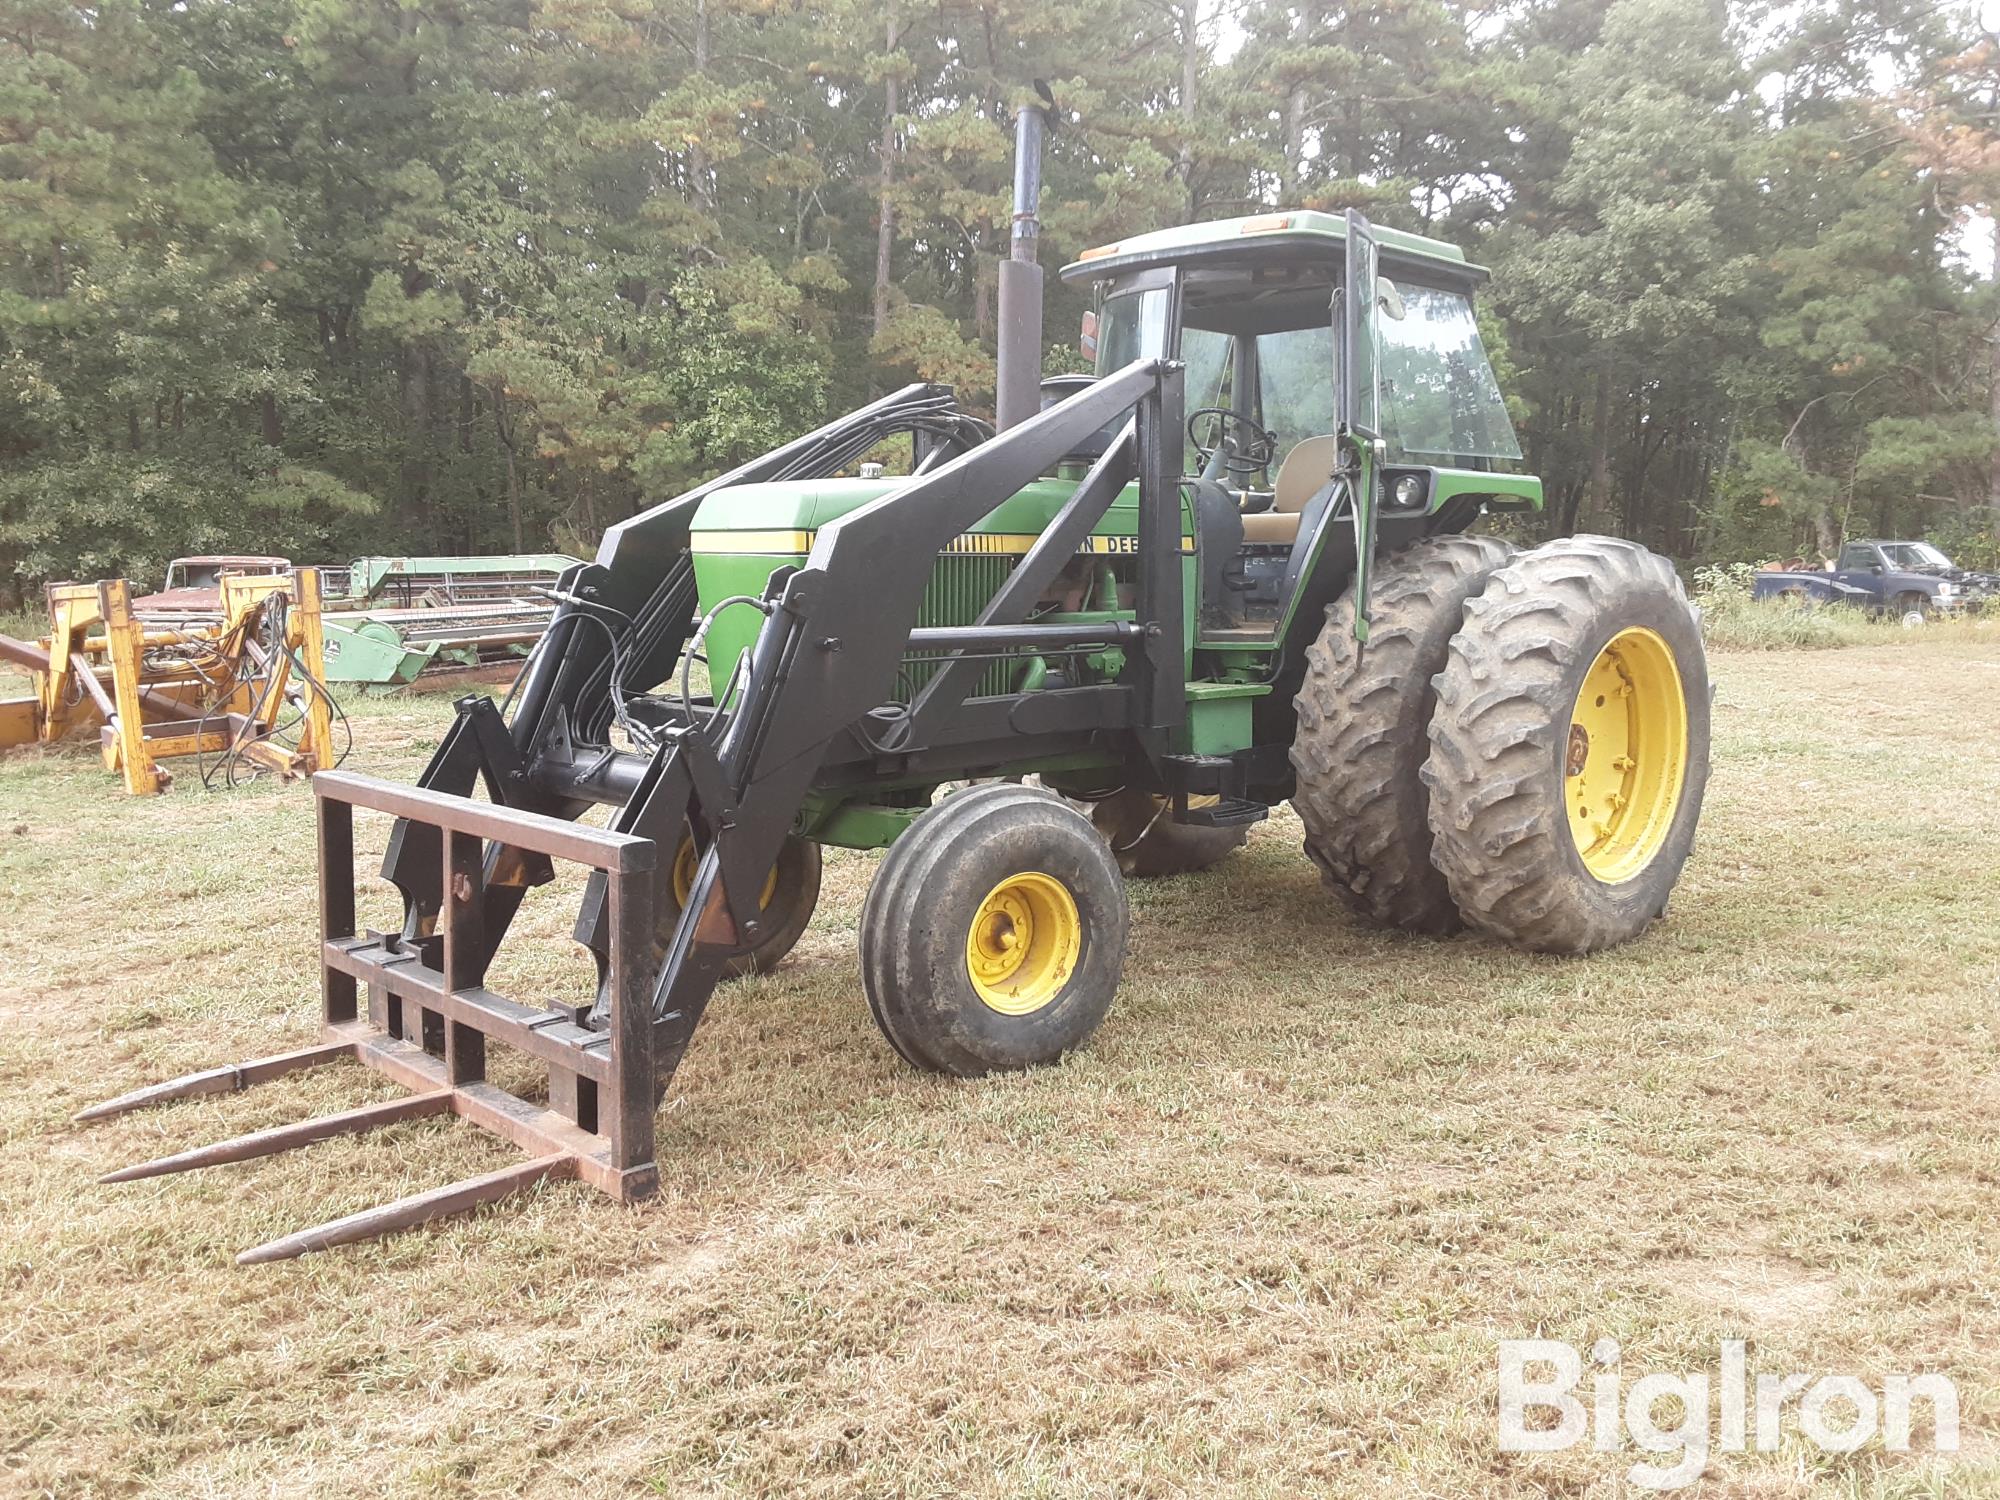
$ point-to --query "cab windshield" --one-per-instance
(1263, 345)
(1440, 398)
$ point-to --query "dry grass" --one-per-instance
(1733, 621)
(1261, 1237)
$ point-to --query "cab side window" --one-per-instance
(1295, 379)
(1853, 557)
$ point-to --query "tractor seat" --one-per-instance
(1306, 471)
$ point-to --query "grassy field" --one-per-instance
(1260, 1238)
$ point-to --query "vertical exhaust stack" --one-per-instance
(1018, 377)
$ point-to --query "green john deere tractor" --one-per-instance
(1231, 569)
(1234, 568)
(1472, 736)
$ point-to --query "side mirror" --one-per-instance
(1086, 337)
(1390, 297)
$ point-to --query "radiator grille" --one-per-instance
(960, 585)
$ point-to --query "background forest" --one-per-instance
(324, 277)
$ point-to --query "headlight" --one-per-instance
(1946, 590)
(1410, 491)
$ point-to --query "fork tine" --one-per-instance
(285, 1137)
(224, 1080)
(419, 1208)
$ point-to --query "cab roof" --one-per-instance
(1265, 234)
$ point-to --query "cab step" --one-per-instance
(1207, 791)
(1225, 812)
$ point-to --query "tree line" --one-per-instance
(323, 277)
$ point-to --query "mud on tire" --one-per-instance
(1361, 741)
(1534, 781)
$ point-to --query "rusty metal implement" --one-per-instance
(428, 1016)
(241, 690)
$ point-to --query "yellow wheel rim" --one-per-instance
(1626, 759)
(1024, 942)
(684, 867)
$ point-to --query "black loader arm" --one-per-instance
(620, 626)
(733, 774)
(835, 634)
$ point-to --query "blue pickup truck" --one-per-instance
(1910, 581)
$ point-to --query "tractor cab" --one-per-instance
(1255, 310)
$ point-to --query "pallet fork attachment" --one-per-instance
(428, 1020)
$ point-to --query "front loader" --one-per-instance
(1231, 569)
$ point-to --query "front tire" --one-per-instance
(788, 898)
(1360, 744)
(994, 934)
(1570, 747)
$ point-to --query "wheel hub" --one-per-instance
(1023, 943)
(1626, 757)
(685, 861)
(1579, 750)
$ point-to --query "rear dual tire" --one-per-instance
(1570, 746)
(1521, 747)
(1362, 717)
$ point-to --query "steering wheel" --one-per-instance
(1247, 450)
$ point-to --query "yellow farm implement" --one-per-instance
(245, 695)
